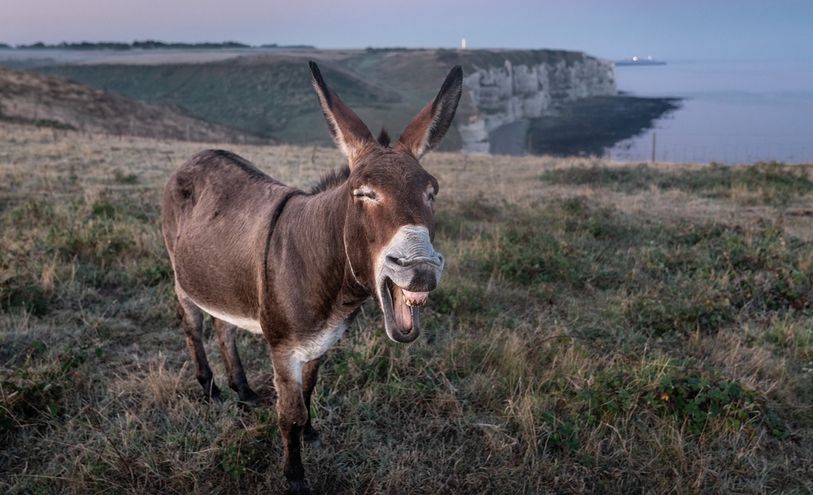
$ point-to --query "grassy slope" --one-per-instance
(269, 95)
(598, 329)
(259, 96)
(50, 102)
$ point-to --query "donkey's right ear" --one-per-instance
(347, 129)
(428, 127)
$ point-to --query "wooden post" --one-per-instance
(654, 141)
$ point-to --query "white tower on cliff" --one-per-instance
(463, 44)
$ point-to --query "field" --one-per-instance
(599, 328)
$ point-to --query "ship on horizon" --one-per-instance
(636, 60)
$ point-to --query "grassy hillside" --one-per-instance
(29, 98)
(599, 328)
(259, 98)
(269, 94)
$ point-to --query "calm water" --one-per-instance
(732, 112)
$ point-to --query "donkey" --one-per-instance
(294, 266)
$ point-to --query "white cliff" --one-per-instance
(505, 95)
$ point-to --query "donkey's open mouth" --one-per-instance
(408, 269)
(401, 310)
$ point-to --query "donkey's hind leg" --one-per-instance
(234, 367)
(192, 323)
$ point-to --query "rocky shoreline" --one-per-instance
(587, 127)
(513, 93)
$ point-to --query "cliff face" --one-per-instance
(515, 92)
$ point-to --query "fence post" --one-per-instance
(654, 137)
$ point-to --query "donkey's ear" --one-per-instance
(428, 127)
(347, 129)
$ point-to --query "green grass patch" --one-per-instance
(770, 183)
(33, 392)
(661, 278)
(21, 292)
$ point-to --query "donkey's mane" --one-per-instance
(332, 179)
(336, 178)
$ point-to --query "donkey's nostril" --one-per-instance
(436, 260)
(396, 261)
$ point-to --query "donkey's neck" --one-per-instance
(313, 229)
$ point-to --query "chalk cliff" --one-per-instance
(506, 94)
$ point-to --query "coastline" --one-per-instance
(585, 127)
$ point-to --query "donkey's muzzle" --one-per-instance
(409, 269)
(435, 260)
(417, 277)
(418, 274)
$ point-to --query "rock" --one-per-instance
(502, 95)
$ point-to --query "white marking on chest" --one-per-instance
(314, 347)
(249, 324)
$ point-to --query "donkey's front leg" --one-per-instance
(309, 373)
(292, 416)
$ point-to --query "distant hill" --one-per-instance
(261, 95)
(135, 45)
(29, 98)
(267, 92)
(147, 45)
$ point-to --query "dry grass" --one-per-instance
(588, 336)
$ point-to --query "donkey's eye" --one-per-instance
(364, 192)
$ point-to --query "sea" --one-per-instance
(730, 112)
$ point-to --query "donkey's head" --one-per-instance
(390, 224)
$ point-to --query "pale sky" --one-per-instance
(671, 30)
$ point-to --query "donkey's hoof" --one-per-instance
(212, 394)
(248, 398)
(299, 487)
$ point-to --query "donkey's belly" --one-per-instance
(243, 322)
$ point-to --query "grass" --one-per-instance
(762, 183)
(33, 99)
(277, 93)
(607, 329)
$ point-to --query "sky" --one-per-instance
(668, 30)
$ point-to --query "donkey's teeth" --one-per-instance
(415, 298)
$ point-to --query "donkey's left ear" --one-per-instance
(429, 126)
